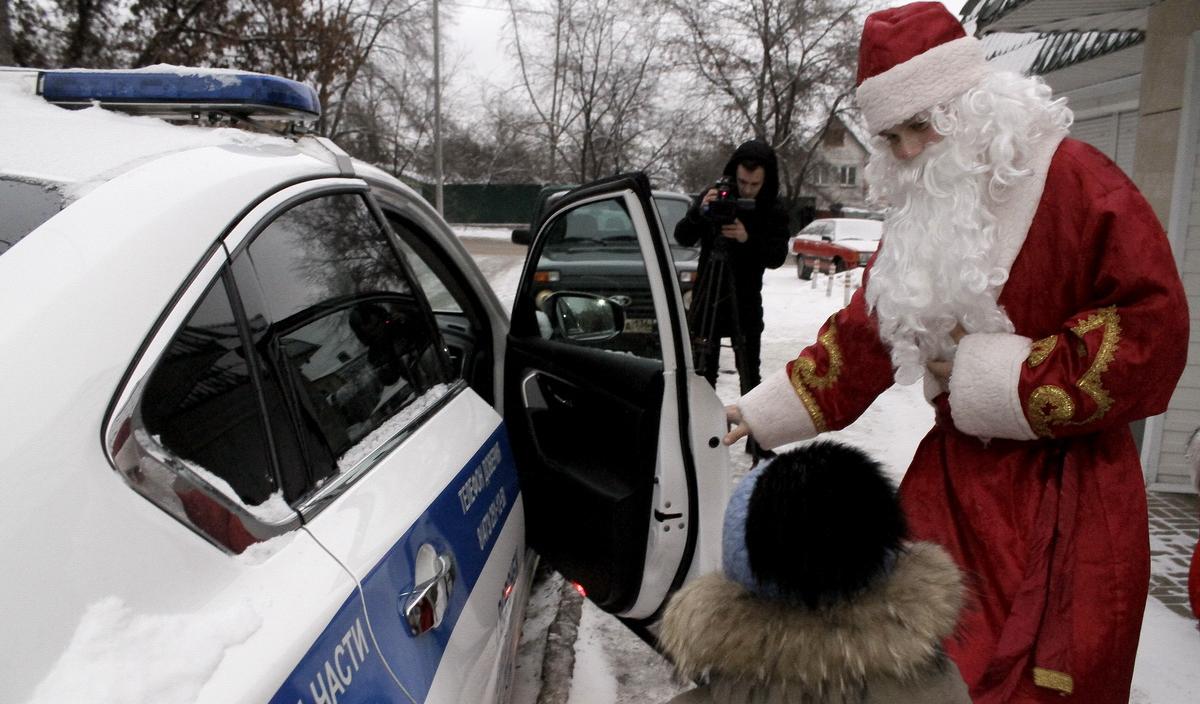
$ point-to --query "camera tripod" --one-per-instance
(716, 290)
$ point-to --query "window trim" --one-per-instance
(191, 290)
(117, 431)
(239, 238)
(523, 323)
(399, 200)
(457, 284)
(211, 267)
(316, 501)
(429, 313)
(317, 498)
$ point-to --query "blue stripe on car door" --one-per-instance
(463, 521)
(342, 667)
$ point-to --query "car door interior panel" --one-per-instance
(587, 468)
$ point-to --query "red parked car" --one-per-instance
(844, 243)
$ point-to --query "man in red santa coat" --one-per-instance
(1026, 279)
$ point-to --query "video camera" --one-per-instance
(724, 209)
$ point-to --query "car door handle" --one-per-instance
(425, 605)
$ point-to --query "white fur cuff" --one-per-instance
(984, 386)
(940, 74)
(775, 413)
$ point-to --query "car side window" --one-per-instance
(594, 249)
(436, 291)
(670, 212)
(461, 316)
(200, 403)
(819, 229)
(344, 329)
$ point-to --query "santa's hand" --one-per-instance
(940, 371)
(735, 231)
(733, 415)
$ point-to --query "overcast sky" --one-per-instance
(475, 47)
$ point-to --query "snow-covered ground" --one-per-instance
(1168, 662)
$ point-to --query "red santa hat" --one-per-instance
(913, 58)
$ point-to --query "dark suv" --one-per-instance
(594, 249)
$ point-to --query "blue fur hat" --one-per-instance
(814, 525)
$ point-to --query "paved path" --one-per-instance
(1174, 527)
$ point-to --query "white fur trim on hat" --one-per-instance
(934, 77)
(775, 413)
(985, 386)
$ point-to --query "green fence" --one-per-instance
(485, 204)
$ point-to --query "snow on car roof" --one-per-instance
(851, 228)
(80, 149)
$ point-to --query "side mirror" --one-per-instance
(521, 236)
(583, 317)
(827, 238)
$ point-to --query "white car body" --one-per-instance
(115, 591)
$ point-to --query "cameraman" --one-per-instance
(756, 240)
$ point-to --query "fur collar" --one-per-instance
(714, 628)
(1014, 215)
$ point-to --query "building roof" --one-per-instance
(1044, 36)
(1056, 15)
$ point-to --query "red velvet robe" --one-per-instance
(1194, 582)
(1030, 477)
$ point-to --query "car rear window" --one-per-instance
(25, 207)
(819, 229)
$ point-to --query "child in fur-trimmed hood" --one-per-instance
(820, 599)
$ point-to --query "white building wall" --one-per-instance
(1115, 134)
(1182, 418)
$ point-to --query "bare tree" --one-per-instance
(388, 118)
(612, 76)
(64, 33)
(6, 43)
(386, 33)
(326, 44)
(590, 72)
(496, 147)
(543, 74)
(777, 69)
(366, 59)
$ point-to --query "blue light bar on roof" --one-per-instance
(180, 93)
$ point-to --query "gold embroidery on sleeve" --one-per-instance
(805, 368)
(804, 375)
(1041, 350)
(1049, 404)
(810, 403)
(1053, 679)
(1110, 321)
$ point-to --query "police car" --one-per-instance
(270, 437)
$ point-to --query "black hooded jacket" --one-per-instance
(765, 247)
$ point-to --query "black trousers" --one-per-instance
(747, 360)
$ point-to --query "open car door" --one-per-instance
(617, 441)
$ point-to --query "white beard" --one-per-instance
(935, 269)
